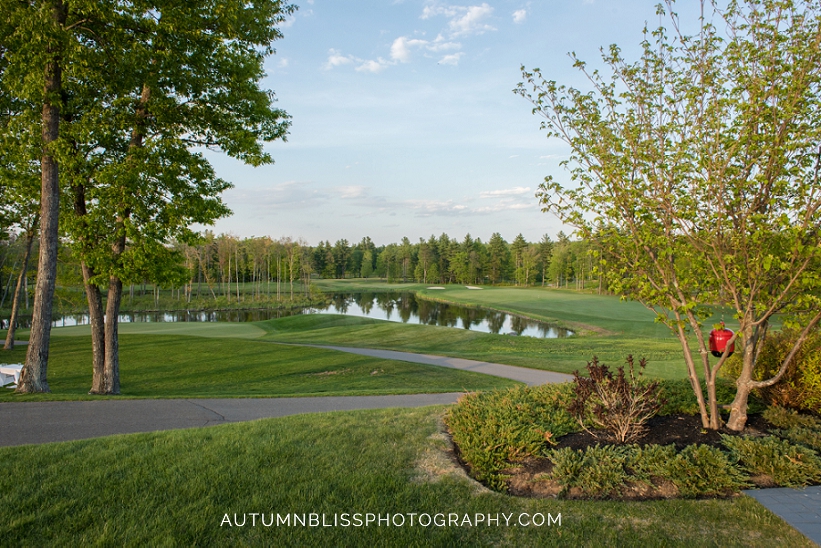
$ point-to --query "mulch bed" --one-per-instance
(527, 478)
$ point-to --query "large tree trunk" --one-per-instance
(97, 323)
(15, 304)
(95, 304)
(112, 343)
(34, 374)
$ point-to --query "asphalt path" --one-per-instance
(42, 422)
(530, 377)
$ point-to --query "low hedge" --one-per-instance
(495, 430)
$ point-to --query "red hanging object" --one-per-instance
(719, 339)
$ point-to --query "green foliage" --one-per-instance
(678, 397)
(787, 464)
(789, 418)
(618, 404)
(800, 387)
(651, 461)
(651, 145)
(597, 472)
(701, 470)
(493, 429)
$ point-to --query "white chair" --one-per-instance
(10, 373)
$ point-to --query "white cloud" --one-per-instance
(451, 59)
(373, 66)
(336, 59)
(517, 191)
(519, 16)
(351, 192)
(401, 48)
(471, 21)
(440, 44)
(464, 20)
(283, 63)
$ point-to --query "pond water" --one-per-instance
(396, 307)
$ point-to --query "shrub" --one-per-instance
(596, 471)
(652, 460)
(678, 397)
(800, 387)
(701, 470)
(788, 418)
(787, 464)
(619, 404)
(493, 429)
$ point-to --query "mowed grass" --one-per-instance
(179, 366)
(562, 355)
(606, 326)
(174, 488)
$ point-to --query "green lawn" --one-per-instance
(175, 488)
(607, 327)
(563, 355)
(210, 366)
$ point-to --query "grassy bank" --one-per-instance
(562, 355)
(175, 488)
(181, 366)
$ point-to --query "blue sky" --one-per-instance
(404, 119)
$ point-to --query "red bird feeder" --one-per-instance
(719, 339)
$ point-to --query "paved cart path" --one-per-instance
(42, 422)
(528, 376)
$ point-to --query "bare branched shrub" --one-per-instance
(620, 404)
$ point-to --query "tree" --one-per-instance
(545, 252)
(697, 171)
(35, 40)
(189, 77)
(499, 257)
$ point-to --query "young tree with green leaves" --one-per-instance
(696, 169)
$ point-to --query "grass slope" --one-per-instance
(563, 355)
(174, 488)
(176, 366)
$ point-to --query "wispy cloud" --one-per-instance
(336, 59)
(374, 66)
(401, 48)
(463, 20)
(517, 191)
(519, 16)
(451, 59)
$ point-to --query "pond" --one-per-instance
(396, 307)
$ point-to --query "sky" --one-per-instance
(404, 122)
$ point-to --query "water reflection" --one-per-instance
(398, 307)
(405, 307)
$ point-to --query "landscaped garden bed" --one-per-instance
(524, 441)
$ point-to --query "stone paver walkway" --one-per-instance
(801, 508)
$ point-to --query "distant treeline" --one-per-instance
(231, 268)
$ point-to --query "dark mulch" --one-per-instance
(682, 430)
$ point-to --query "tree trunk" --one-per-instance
(112, 343)
(15, 304)
(34, 375)
(97, 324)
